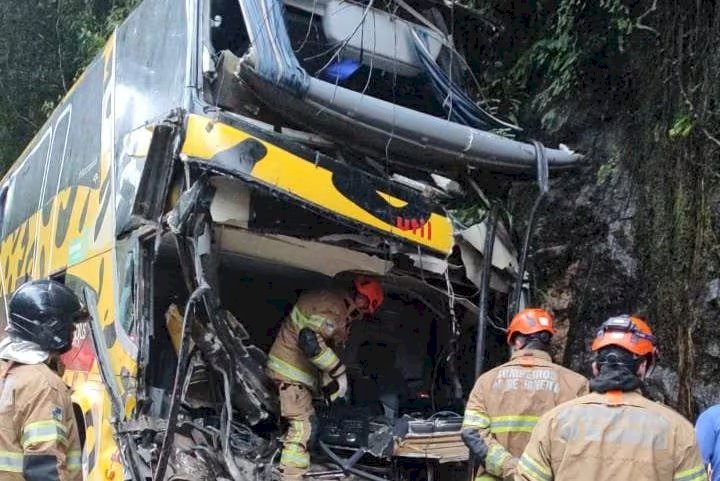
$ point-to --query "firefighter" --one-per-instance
(506, 402)
(614, 433)
(318, 323)
(38, 435)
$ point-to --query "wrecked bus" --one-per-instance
(188, 200)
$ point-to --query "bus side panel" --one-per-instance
(61, 216)
(150, 85)
(144, 80)
(18, 252)
(59, 193)
(100, 453)
(82, 212)
(97, 273)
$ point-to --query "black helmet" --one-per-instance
(43, 312)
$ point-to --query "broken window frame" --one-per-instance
(124, 437)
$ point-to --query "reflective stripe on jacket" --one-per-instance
(325, 312)
(609, 437)
(38, 434)
(506, 402)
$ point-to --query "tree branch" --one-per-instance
(641, 26)
(710, 136)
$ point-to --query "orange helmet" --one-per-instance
(529, 321)
(628, 332)
(370, 288)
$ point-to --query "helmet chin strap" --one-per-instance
(651, 363)
(53, 363)
(516, 340)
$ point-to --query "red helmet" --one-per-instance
(370, 288)
(529, 321)
(628, 332)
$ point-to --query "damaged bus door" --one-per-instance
(249, 397)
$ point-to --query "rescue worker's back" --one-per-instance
(614, 436)
(35, 402)
(506, 402)
(326, 313)
(614, 433)
(514, 395)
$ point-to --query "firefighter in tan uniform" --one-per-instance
(303, 352)
(614, 433)
(505, 403)
(38, 435)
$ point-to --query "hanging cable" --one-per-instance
(491, 225)
(543, 187)
(460, 107)
(452, 345)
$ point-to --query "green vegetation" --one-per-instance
(44, 45)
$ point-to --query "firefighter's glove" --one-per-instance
(475, 443)
(335, 384)
(336, 388)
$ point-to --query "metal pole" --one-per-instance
(347, 465)
(491, 224)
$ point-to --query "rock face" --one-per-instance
(583, 250)
(633, 85)
(590, 263)
(706, 383)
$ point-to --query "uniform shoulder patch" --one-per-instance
(57, 413)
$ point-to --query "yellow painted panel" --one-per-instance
(100, 447)
(292, 174)
(99, 272)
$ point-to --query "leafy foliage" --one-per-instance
(582, 39)
(681, 127)
(44, 46)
